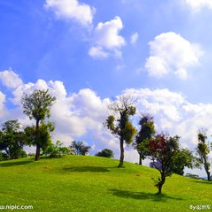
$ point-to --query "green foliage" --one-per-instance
(80, 148)
(56, 150)
(120, 124)
(3, 156)
(106, 153)
(41, 137)
(110, 124)
(128, 132)
(168, 158)
(37, 105)
(146, 132)
(11, 126)
(165, 151)
(183, 158)
(12, 140)
(203, 151)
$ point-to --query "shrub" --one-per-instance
(105, 153)
(56, 150)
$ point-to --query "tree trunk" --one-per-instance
(207, 169)
(160, 184)
(37, 154)
(140, 159)
(209, 175)
(121, 162)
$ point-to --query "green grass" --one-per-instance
(86, 183)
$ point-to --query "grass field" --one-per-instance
(86, 183)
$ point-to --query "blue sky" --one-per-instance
(87, 52)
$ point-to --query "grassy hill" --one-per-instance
(86, 183)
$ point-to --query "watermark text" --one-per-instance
(200, 207)
(16, 207)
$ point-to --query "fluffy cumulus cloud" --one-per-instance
(196, 5)
(106, 39)
(10, 79)
(173, 113)
(72, 10)
(97, 52)
(80, 115)
(75, 115)
(171, 53)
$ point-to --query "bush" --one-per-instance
(3, 156)
(105, 153)
(56, 150)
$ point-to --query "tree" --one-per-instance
(105, 153)
(119, 123)
(80, 147)
(203, 151)
(41, 137)
(12, 140)
(76, 146)
(147, 130)
(37, 106)
(56, 150)
(163, 149)
(184, 158)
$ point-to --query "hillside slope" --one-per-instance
(79, 183)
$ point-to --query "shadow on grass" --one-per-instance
(143, 195)
(87, 169)
(14, 163)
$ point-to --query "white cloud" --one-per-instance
(171, 53)
(97, 52)
(107, 34)
(134, 38)
(27, 88)
(3, 110)
(106, 39)
(10, 79)
(156, 66)
(72, 9)
(197, 5)
(173, 113)
(74, 115)
(81, 115)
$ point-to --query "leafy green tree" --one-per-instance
(105, 153)
(184, 158)
(120, 125)
(76, 146)
(12, 140)
(163, 151)
(147, 130)
(203, 151)
(40, 137)
(56, 150)
(37, 106)
(80, 147)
